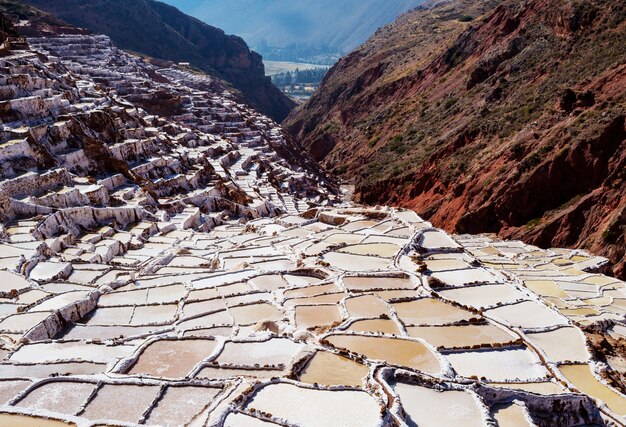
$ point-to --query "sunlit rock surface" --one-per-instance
(188, 271)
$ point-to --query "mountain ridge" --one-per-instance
(296, 30)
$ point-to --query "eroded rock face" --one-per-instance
(498, 121)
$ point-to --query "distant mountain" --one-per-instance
(487, 116)
(161, 31)
(298, 30)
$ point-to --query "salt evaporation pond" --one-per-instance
(241, 323)
(498, 365)
(461, 336)
(403, 352)
(322, 407)
(582, 378)
(329, 369)
(172, 358)
(528, 314)
(365, 283)
(350, 262)
(511, 415)
(429, 311)
(562, 344)
(433, 408)
(375, 325)
(310, 316)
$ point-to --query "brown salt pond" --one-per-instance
(253, 313)
(511, 415)
(14, 420)
(366, 306)
(111, 402)
(172, 358)
(461, 336)
(313, 407)
(582, 378)
(329, 369)
(429, 311)
(545, 288)
(310, 316)
(181, 405)
(432, 408)
(402, 352)
(362, 284)
(375, 325)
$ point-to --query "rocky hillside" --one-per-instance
(161, 31)
(487, 116)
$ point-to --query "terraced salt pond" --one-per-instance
(305, 333)
(330, 369)
(172, 358)
(461, 336)
(429, 311)
(498, 365)
(428, 407)
(511, 415)
(322, 407)
(351, 262)
(375, 325)
(580, 376)
(311, 316)
(369, 283)
(402, 352)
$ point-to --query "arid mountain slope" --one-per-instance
(496, 116)
(162, 31)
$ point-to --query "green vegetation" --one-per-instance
(533, 223)
(450, 102)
